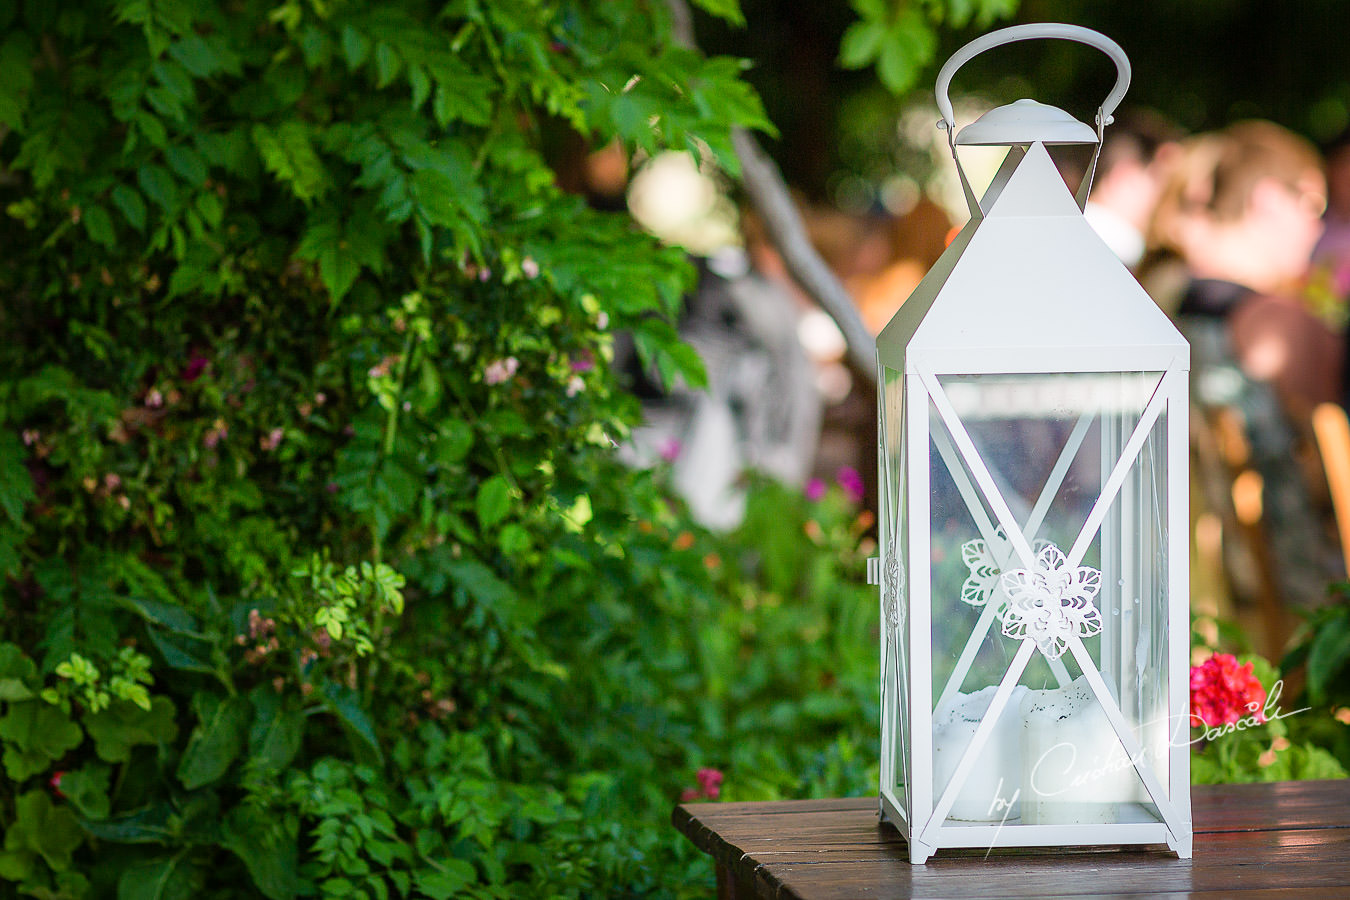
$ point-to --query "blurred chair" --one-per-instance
(1235, 567)
(1332, 430)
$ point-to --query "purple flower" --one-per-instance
(670, 449)
(815, 489)
(196, 365)
(584, 362)
(851, 482)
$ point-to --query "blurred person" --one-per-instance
(1334, 246)
(1138, 151)
(1331, 256)
(1243, 211)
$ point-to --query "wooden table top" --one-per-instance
(1287, 840)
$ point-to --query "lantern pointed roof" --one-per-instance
(1029, 286)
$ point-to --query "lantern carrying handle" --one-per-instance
(1052, 30)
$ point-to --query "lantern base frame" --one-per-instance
(1147, 830)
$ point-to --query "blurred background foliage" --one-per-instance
(1202, 64)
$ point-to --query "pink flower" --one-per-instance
(670, 449)
(273, 439)
(154, 399)
(851, 482)
(529, 267)
(501, 370)
(1222, 692)
(55, 782)
(217, 433)
(815, 489)
(575, 386)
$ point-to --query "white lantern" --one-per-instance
(1033, 472)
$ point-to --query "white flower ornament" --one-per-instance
(983, 584)
(895, 586)
(1051, 602)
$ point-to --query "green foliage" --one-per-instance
(901, 38)
(1323, 649)
(323, 579)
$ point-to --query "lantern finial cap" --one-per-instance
(1025, 122)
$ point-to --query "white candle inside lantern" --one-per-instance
(990, 791)
(1074, 769)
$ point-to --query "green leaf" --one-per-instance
(453, 441)
(174, 78)
(216, 740)
(345, 703)
(124, 725)
(16, 485)
(1329, 653)
(448, 880)
(420, 83)
(128, 201)
(35, 735)
(165, 615)
(187, 163)
(98, 225)
(355, 46)
(87, 790)
(275, 736)
(728, 10)
(181, 652)
(152, 824)
(205, 56)
(481, 583)
(387, 64)
(42, 828)
(860, 44)
(16, 77)
(267, 843)
(164, 878)
(514, 539)
(461, 94)
(159, 186)
(288, 154)
(493, 501)
(18, 675)
(209, 207)
(323, 244)
(908, 47)
(342, 249)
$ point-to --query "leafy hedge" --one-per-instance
(321, 577)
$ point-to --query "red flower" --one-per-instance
(709, 786)
(55, 782)
(1222, 692)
